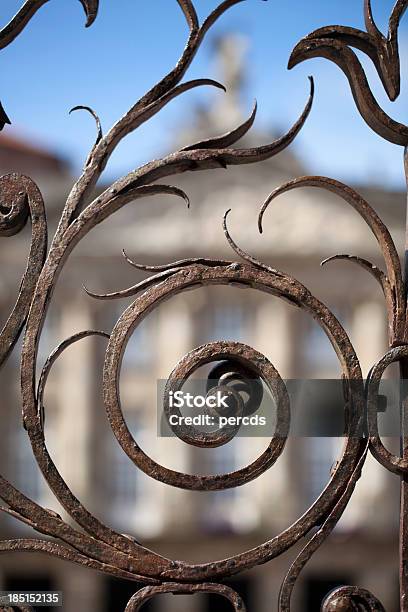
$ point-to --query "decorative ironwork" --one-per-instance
(96, 545)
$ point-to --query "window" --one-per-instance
(26, 472)
(318, 353)
(217, 511)
(124, 477)
(49, 337)
(140, 349)
(227, 322)
(320, 455)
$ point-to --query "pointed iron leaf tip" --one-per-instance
(91, 10)
(3, 117)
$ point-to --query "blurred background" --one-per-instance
(56, 64)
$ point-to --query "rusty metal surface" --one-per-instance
(90, 542)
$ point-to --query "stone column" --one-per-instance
(273, 492)
(368, 333)
(74, 401)
(369, 503)
(175, 328)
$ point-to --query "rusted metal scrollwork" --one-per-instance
(92, 543)
(147, 593)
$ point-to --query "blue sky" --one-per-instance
(56, 63)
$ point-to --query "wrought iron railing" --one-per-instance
(96, 545)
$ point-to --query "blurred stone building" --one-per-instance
(300, 230)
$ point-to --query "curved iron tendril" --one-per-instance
(392, 283)
(20, 198)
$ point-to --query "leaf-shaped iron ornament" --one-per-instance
(335, 42)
